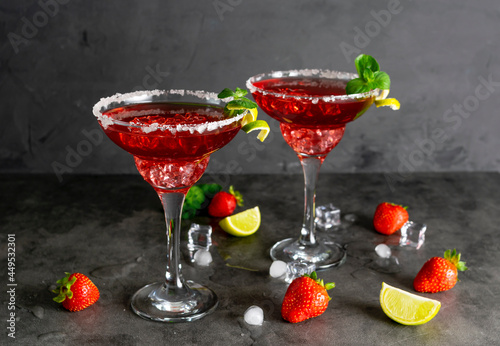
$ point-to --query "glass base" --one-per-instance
(153, 302)
(323, 254)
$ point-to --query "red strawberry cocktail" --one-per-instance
(313, 110)
(171, 135)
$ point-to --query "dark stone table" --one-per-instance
(112, 228)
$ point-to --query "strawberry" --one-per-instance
(389, 218)
(224, 203)
(76, 292)
(439, 274)
(306, 297)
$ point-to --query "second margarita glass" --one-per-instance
(313, 110)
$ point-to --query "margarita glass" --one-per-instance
(313, 110)
(171, 135)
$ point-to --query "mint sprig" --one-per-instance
(196, 198)
(239, 103)
(370, 76)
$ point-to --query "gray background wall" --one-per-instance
(58, 57)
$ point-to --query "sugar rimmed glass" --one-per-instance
(313, 110)
(171, 134)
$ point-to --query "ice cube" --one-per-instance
(297, 269)
(383, 251)
(254, 316)
(202, 257)
(277, 269)
(327, 216)
(413, 234)
(199, 237)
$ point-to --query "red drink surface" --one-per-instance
(163, 144)
(310, 124)
(308, 112)
(166, 159)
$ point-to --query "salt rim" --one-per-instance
(104, 104)
(329, 74)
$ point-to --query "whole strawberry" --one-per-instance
(439, 274)
(224, 203)
(76, 292)
(389, 218)
(306, 297)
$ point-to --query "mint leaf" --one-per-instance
(382, 80)
(210, 189)
(239, 93)
(226, 93)
(241, 103)
(366, 62)
(370, 76)
(356, 86)
(194, 199)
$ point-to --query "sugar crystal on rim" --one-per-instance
(105, 105)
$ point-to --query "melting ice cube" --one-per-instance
(202, 257)
(327, 216)
(413, 234)
(383, 251)
(254, 316)
(199, 237)
(297, 269)
(277, 269)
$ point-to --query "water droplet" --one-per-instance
(38, 311)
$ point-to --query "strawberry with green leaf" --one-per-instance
(224, 203)
(76, 292)
(305, 298)
(198, 198)
(438, 273)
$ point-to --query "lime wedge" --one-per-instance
(393, 103)
(242, 224)
(407, 308)
(261, 125)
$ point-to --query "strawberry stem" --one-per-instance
(237, 196)
(320, 282)
(64, 288)
(454, 258)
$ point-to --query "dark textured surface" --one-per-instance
(111, 228)
(436, 52)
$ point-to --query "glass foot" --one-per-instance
(152, 302)
(323, 255)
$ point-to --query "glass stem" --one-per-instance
(310, 166)
(172, 205)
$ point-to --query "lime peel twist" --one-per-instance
(241, 104)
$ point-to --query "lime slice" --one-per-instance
(258, 125)
(393, 103)
(242, 224)
(407, 308)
